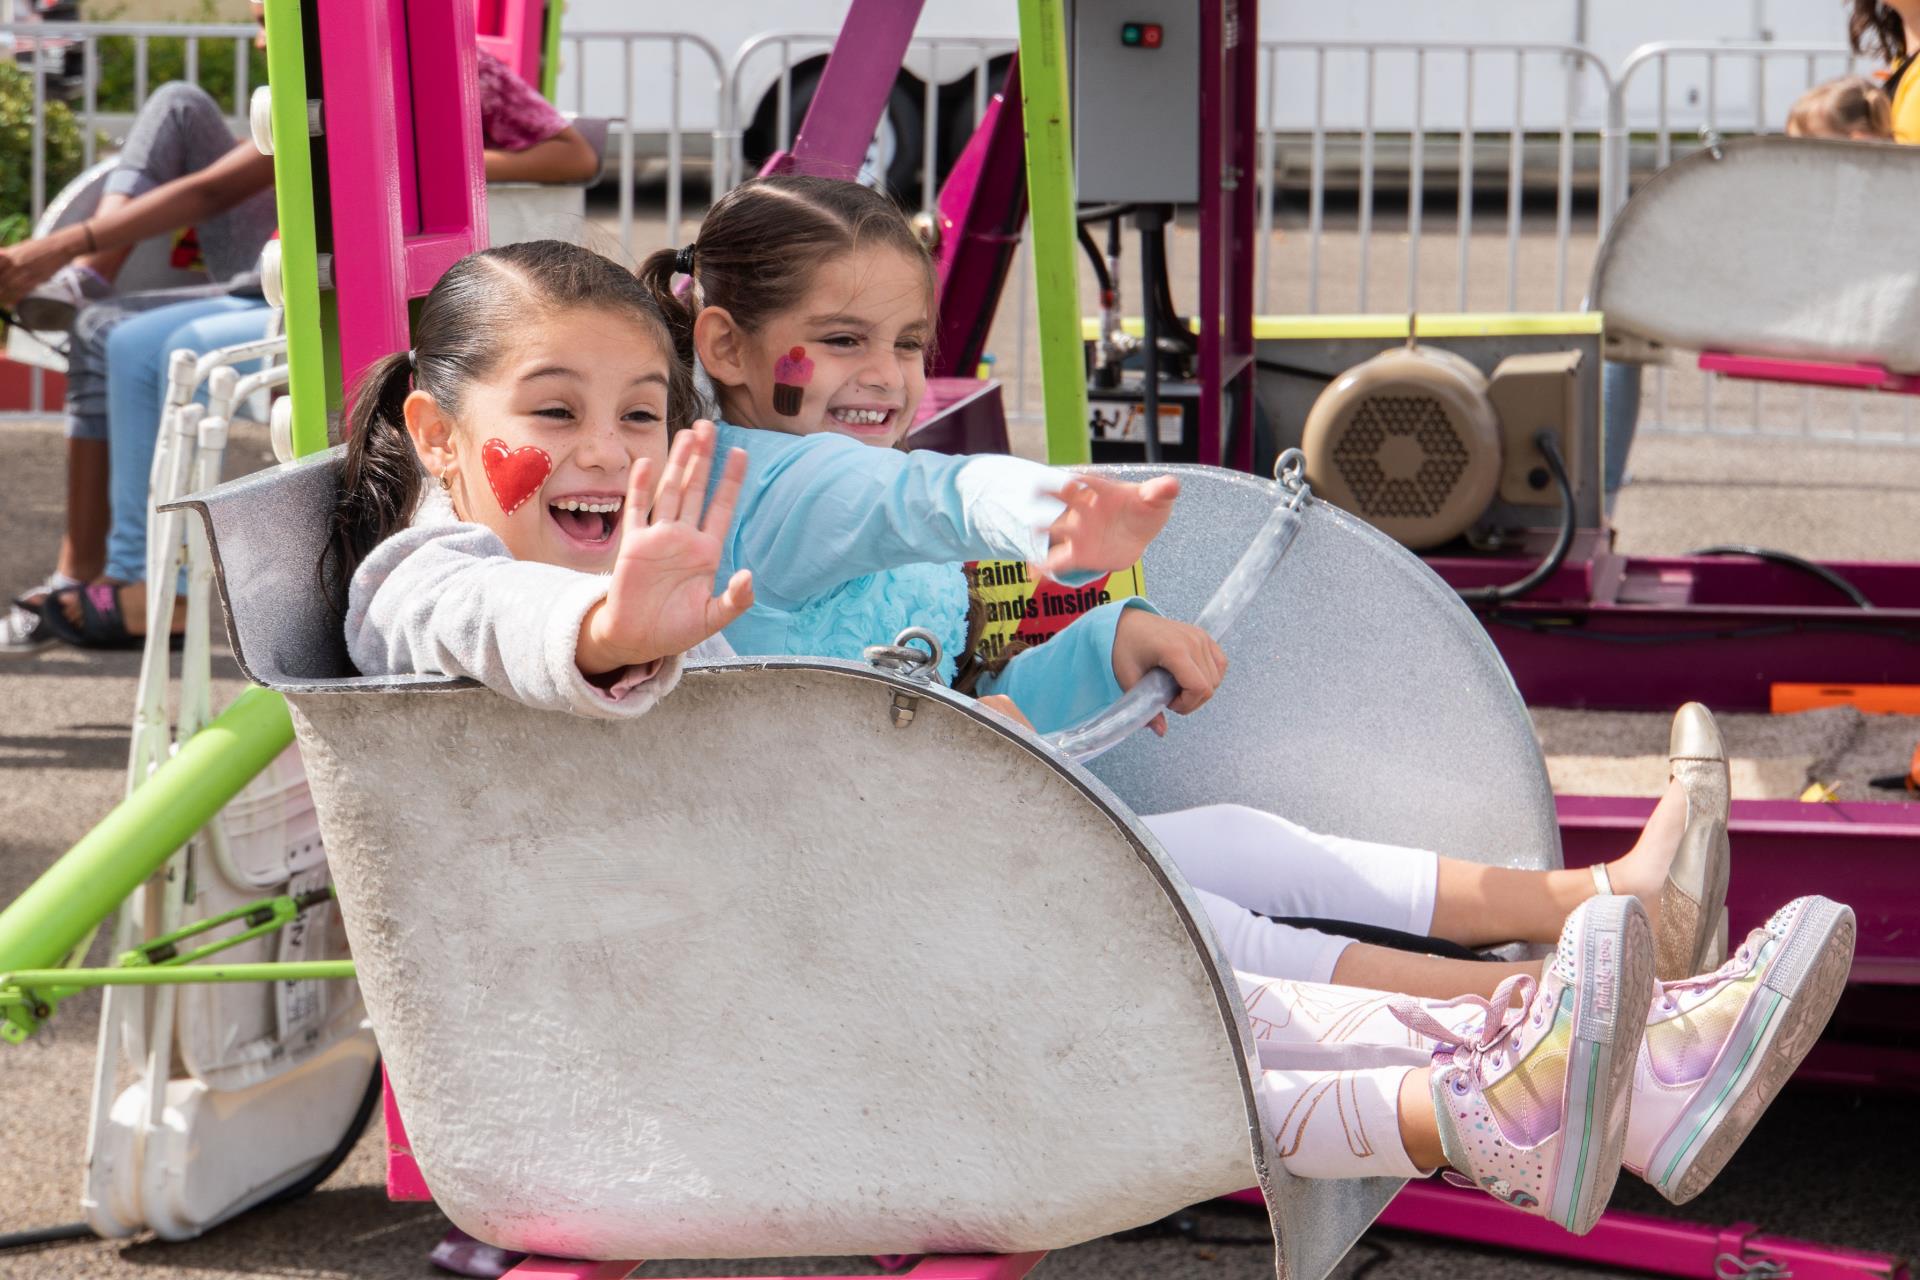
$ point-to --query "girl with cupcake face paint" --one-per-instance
(839, 348)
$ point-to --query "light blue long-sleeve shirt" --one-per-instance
(849, 545)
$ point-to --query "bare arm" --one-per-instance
(565, 157)
(223, 184)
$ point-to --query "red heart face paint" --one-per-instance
(791, 374)
(514, 474)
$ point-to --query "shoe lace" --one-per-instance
(1736, 964)
(1478, 1046)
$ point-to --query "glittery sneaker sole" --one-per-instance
(1610, 1019)
(1779, 1025)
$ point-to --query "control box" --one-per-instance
(1136, 101)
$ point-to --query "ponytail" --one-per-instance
(677, 309)
(380, 484)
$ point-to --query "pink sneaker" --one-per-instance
(1719, 1047)
(1532, 1106)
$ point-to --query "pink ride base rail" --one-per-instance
(1010, 1266)
(1634, 1241)
(1814, 373)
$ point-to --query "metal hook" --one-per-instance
(904, 660)
(1290, 473)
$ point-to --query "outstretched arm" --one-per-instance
(821, 510)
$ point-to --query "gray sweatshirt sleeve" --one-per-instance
(445, 596)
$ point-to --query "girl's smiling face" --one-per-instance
(850, 358)
(544, 444)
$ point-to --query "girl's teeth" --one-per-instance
(601, 506)
(861, 417)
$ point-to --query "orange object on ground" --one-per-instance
(1874, 699)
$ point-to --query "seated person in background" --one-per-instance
(181, 166)
(1852, 108)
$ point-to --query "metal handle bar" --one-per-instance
(1157, 689)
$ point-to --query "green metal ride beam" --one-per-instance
(286, 971)
(299, 236)
(1056, 265)
(41, 927)
(550, 60)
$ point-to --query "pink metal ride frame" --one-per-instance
(1814, 373)
(406, 177)
(1011, 1266)
(511, 31)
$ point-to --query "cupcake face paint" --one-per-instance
(848, 358)
(514, 475)
(791, 374)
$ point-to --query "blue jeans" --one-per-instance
(137, 352)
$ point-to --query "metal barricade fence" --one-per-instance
(670, 97)
(1504, 110)
(1396, 119)
(48, 44)
(935, 61)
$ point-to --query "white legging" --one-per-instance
(1332, 1063)
(1243, 861)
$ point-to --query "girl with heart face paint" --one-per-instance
(510, 507)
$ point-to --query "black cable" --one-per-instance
(1542, 441)
(1151, 267)
(1101, 212)
(45, 1235)
(1173, 326)
(1093, 256)
(1295, 370)
(344, 1148)
(1791, 561)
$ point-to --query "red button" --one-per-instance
(1150, 35)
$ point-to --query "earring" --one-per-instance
(446, 482)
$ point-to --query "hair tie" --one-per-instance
(683, 260)
(413, 360)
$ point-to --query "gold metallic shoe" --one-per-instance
(1693, 900)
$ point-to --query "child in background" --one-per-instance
(1852, 108)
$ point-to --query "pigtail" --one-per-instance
(974, 664)
(380, 484)
(677, 309)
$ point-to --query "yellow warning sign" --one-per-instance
(1020, 607)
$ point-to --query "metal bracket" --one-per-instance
(904, 660)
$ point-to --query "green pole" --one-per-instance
(1056, 265)
(41, 927)
(550, 59)
(180, 975)
(299, 238)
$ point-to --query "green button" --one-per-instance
(1130, 33)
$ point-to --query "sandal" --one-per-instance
(22, 629)
(102, 625)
